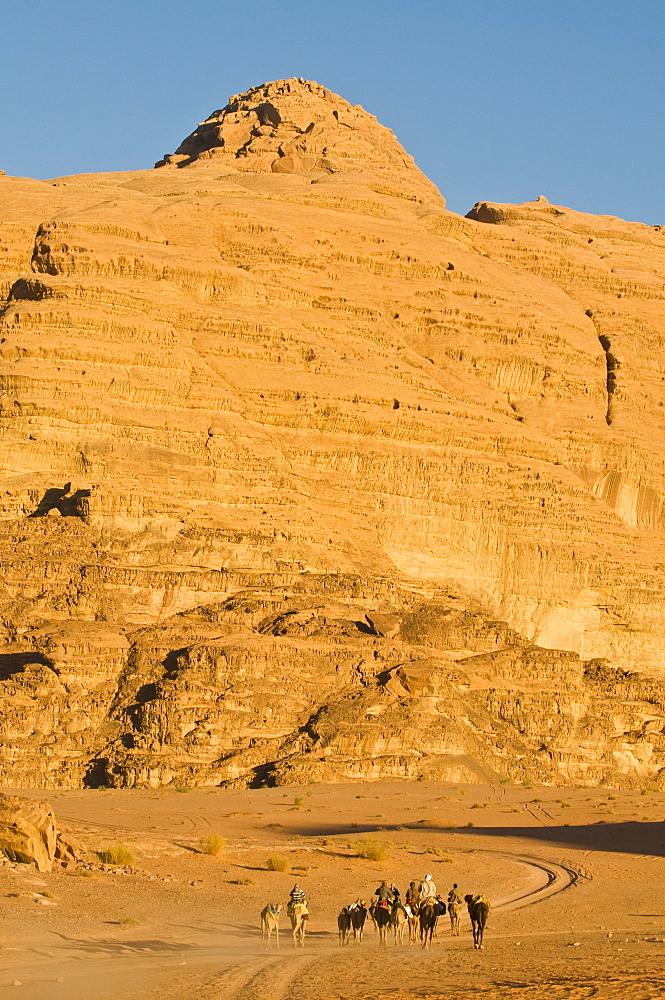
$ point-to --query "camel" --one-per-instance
(358, 913)
(382, 921)
(400, 919)
(270, 924)
(479, 909)
(299, 914)
(344, 925)
(413, 922)
(428, 914)
(454, 911)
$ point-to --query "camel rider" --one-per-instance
(426, 889)
(395, 892)
(383, 895)
(455, 896)
(296, 896)
(412, 893)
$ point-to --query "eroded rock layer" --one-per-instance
(304, 476)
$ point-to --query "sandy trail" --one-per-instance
(85, 969)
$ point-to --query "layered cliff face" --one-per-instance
(276, 372)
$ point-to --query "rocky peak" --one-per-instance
(299, 127)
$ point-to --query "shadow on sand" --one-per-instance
(629, 837)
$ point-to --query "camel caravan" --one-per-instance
(417, 914)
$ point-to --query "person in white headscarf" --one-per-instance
(426, 889)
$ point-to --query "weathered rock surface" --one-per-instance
(27, 831)
(303, 475)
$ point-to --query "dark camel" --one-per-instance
(383, 920)
(428, 915)
(344, 925)
(358, 918)
(479, 910)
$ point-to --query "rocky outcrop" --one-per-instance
(287, 451)
(298, 127)
(27, 831)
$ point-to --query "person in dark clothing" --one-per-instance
(412, 893)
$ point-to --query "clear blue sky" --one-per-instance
(498, 100)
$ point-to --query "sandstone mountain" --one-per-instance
(305, 477)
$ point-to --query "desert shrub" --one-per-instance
(182, 788)
(129, 921)
(438, 852)
(244, 881)
(82, 872)
(298, 801)
(372, 849)
(117, 855)
(276, 864)
(213, 844)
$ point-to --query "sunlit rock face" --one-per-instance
(273, 422)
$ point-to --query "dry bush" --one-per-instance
(117, 855)
(372, 849)
(276, 864)
(439, 853)
(214, 844)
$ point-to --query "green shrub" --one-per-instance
(298, 801)
(372, 849)
(117, 855)
(276, 864)
(129, 921)
(213, 844)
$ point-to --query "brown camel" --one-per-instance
(413, 922)
(454, 911)
(270, 924)
(479, 910)
(400, 919)
(299, 914)
(430, 911)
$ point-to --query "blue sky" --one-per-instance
(499, 100)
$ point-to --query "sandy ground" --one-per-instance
(575, 877)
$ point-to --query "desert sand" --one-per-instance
(575, 877)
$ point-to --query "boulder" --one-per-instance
(27, 831)
(68, 848)
(386, 625)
